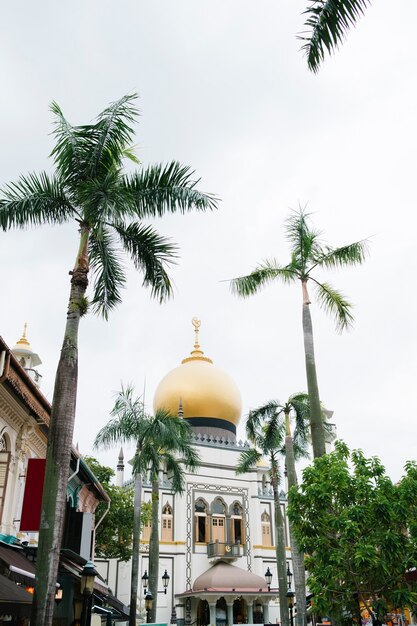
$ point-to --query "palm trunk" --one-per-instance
(58, 455)
(154, 549)
(280, 550)
(316, 421)
(137, 506)
(297, 555)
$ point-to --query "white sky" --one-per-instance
(223, 87)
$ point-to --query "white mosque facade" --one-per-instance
(217, 538)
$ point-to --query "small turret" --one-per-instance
(27, 358)
(120, 469)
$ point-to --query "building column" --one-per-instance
(265, 607)
(212, 606)
(250, 611)
(230, 613)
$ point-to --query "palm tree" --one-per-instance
(162, 441)
(297, 408)
(267, 438)
(308, 254)
(329, 21)
(107, 205)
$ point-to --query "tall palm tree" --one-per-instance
(308, 254)
(329, 21)
(162, 441)
(90, 189)
(297, 408)
(267, 438)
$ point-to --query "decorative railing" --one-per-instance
(225, 550)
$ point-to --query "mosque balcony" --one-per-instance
(225, 550)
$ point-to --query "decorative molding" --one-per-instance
(28, 397)
(214, 489)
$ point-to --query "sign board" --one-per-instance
(32, 500)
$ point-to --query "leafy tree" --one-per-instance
(162, 441)
(113, 538)
(329, 21)
(308, 254)
(267, 427)
(91, 190)
(359, 531)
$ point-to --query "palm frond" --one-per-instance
(150, 253)
(333, 302)
(351, 254)
(112, 135)
(160, 189)
(128, 422)
(329, 21)
(274, 432)
(268, 271)
(304, 240)
(247, 460)
(34, 200)
(71, 152)
(109, 274)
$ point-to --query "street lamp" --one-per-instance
(148, 595)
(290, 595)
(148, 606)
(268, 578)
(165, 581)
(86, 587)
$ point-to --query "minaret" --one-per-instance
(120, 469)
(27, 358)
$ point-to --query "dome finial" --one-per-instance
(23, 340)
(196, 323)
(196, 354)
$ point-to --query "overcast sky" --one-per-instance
(224, 88)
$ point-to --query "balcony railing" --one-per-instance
(225, 550)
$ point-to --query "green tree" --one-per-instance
(329, 22)
(91, 190)
(359, 531)
(308, 254)
(113, 537)
(162, 441)
(270, 425)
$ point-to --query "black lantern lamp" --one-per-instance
(268, 578)
(148, 595)
(87, 587)
(165, 581)
(148, 606)
(289, 576)
(145, 579)
(290, 595)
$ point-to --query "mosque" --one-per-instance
(217, 538)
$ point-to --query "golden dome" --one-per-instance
(203, 390)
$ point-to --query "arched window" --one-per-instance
(266, 529)
(4, 470)
(200, 516)
(166, 534)
(218, 521)
(237, 523)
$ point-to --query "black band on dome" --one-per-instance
(212, 422)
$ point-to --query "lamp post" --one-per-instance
(148, 595)
(268, 578)
(86, 587)
(148, 605)
(290, 595)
